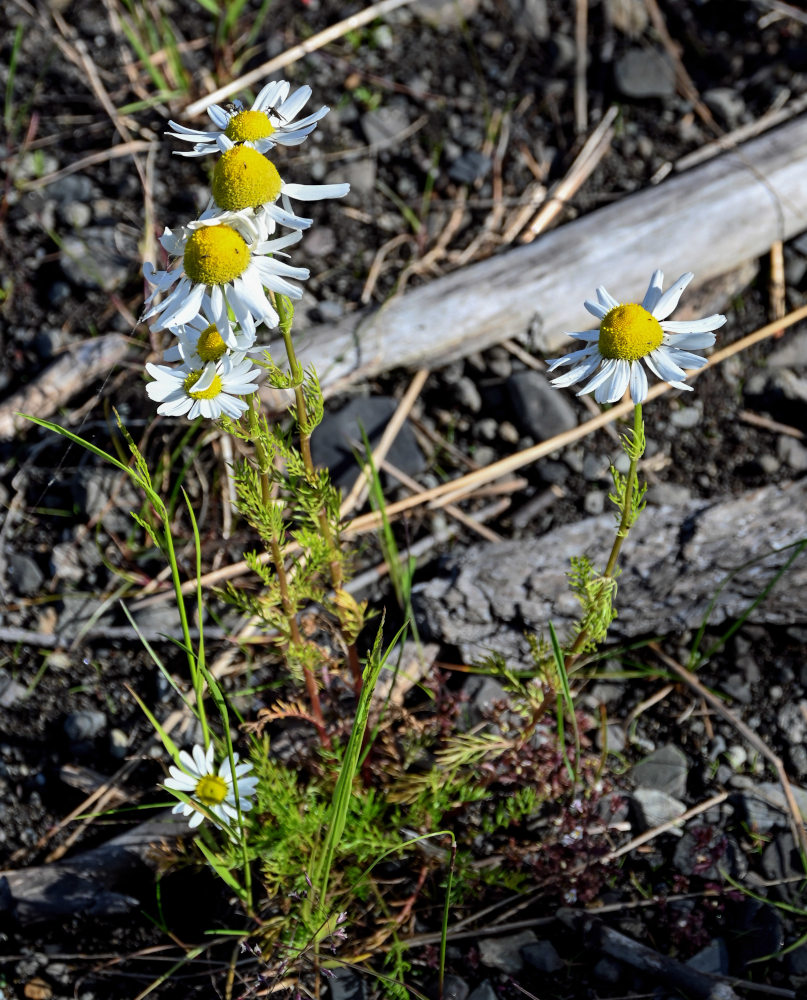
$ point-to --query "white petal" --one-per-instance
(196, 819)
(653, 293)
(596, 309)
(315, 192)
(218, 116)
(606, 299)
(690, 341)
(638, 383)
(665, 367)
(704, 325)
(291, 106)
(669, 300)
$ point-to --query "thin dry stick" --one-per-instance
(776, 286)
(796, 820)
(102, 156)
(594, 149)
(580, 66)
(465, 519)
(649, 835)
(358, 493)
(775, 426)
(296, 52)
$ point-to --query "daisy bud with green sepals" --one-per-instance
(242, 178)
(629, 334)
(212, 391)
(226, 258)
(213, 789)
(270, 122)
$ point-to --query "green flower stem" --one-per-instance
(335, 564)
(627, 509)
(305, 438)
(282, 579)
(626, 520)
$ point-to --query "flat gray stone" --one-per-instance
(504, 953)
(664, 770)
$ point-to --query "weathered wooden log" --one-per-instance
(708, 220)
(677, 560)
(99, 882)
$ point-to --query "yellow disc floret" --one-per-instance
(249, 126)
(629, 332)
(211, 790)
(210, 392)
(210, 346)
(243, 178)
(215, 255)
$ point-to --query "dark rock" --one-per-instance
(24, 574)
(713, 959)
(708, 853)
(641, 73)
(484, 991)
(504, 953)
(539, 409)
(335, 443)
(345, 984)
(665, 770)
(726, 103)
(542, 957)
(455, 988)
(84, 725)
(469, 167)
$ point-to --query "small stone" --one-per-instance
(665, 769)
(11, 691)
(504, 953)
(542, 957)
(642, 73)
(468, 394)
(455, 988)
(685, 417)
(76, 214)
(657, 807)
(85, 724)
(791, 452)
(736, 756)
(469, 167)
(385, 126)
(726, 103)
(594, 502)
(118, 743)
(484, 991)
(508, 432)
(539, 409)
(345, 984)
(487, 429)
(713, 959)
(24, 574)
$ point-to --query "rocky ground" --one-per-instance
(418, 101)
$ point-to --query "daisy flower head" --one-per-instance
(208, 337)
(629, 334)
(214, 789)
(269, 122)
(212, 391)
(243, 178)
(227, 258)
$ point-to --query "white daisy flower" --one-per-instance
(215, 790)
(203, 339)
(210, 392)
(243, 178)
(227, 259)
(270, 122)
(629, 334)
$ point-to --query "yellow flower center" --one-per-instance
(215, 255)
(249, 126)
(210, 346)
(211, 790)
(629, 332)
(243, 178)
(210, 392)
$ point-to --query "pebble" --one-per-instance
(792, 452)
(726, 103)
(484, 991)
(643, 73)
(504, 953)
(470, 166)
(685, 417)
(594, 502)
(656, 807)
(486, 429)
(85, 724)
(665, 769)
(468, 394)
(538, 409)
(95, 260)
(543, 957)
(383, 127)
(24, 574)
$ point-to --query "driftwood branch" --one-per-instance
(708, 220)
(680, 563)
